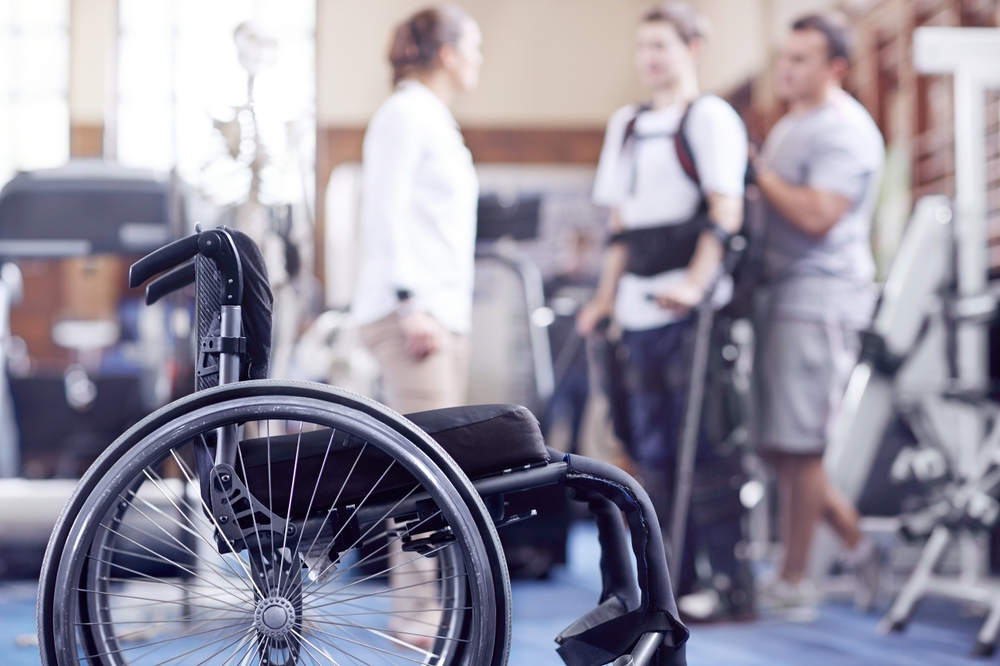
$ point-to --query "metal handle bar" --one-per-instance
(215, 244)
(171, 281)
(167, 257)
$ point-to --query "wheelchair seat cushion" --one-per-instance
(485, 439)
(482, 439)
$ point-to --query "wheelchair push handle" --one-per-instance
(215, 244)
(163, 259)
(171, 281)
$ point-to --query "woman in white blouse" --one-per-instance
(414, 296)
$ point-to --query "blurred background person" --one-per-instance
(819, 173)
(418, 219)
(420, 191)
(663, 259)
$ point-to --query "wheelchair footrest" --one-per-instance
(613, 607)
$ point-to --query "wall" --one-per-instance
(555, 63)
(93, 32)
(738, 47)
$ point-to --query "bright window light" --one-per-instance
(34, 85)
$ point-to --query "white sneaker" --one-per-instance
(796, 602)
(699, 606)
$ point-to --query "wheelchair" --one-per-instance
(275, 523)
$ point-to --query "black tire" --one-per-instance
(66, 597)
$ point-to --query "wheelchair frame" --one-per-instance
(635, 620)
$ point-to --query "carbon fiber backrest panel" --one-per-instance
(208, 294)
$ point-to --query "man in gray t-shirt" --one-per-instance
(819, 174)
(818, 259)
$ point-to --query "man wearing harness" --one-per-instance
(672, 173)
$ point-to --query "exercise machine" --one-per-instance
(924, 359)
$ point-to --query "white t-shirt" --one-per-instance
(648, 186)
(418, 211)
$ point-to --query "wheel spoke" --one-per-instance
(355, 513)
(193, 529)
(391, 591)
(354, 658)
(218, 527)
(159, 581)
(383, 573)
(202, 507)
(336, 499)
(376, 630)
(249, 635)
(153, 601)
(288, 513)
(392, 639)
(306, 645)
(377, 522)
(160, 555)
(170, 640)
(408, 531)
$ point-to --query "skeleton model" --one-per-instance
(280, 225)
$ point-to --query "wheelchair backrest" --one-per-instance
(228, 270)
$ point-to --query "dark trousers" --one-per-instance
(660, 372)
(569, 399)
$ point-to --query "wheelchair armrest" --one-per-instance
(587, 644)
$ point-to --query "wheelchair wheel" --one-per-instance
(342, 535)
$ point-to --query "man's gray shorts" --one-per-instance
(801, 370)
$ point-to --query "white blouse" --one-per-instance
(418, 211)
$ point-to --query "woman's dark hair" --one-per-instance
(417, 42)
(833, 28)
(689, 24)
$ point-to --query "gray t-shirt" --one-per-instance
(837, 148)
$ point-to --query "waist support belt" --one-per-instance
(655, 250)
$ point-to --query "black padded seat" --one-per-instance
(483, 440)
(486, 439)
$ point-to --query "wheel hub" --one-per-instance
(274, 617)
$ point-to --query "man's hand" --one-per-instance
(682, 297)
(422, 333)
(591, 314)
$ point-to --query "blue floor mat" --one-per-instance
(840, 636)
(938, 635)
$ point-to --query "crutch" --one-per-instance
(688, 450)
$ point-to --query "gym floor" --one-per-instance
(940, 634)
